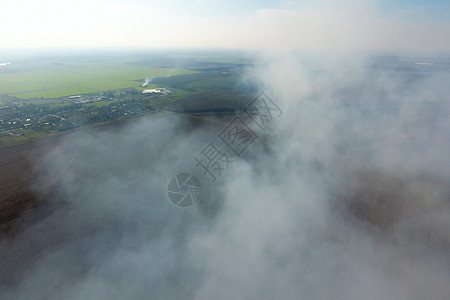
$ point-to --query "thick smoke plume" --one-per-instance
(345, 197)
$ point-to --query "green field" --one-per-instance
(28, 136)
(101, 103)
(196, 83)
(54, 80)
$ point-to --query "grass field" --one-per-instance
(101, 103)
(28, 136)
(54, 80)
(200, 82)
(44, 80)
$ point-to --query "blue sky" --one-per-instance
(416, 9)
(252, 24)
(237, 8)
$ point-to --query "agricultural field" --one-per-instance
(35, 90)
(60, 78)
(222, 101)
(21, 137)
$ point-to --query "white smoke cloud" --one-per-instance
(346, 197)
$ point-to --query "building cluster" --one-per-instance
(72, 111)
(160, 91)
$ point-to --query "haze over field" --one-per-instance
(345, 195)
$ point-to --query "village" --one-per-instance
(17, 116)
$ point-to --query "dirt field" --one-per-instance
(16, 178)
(19, 181)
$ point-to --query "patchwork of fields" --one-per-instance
(55, 79)
(31, 91)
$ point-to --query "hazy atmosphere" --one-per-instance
(270, 24)
(338, 188)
